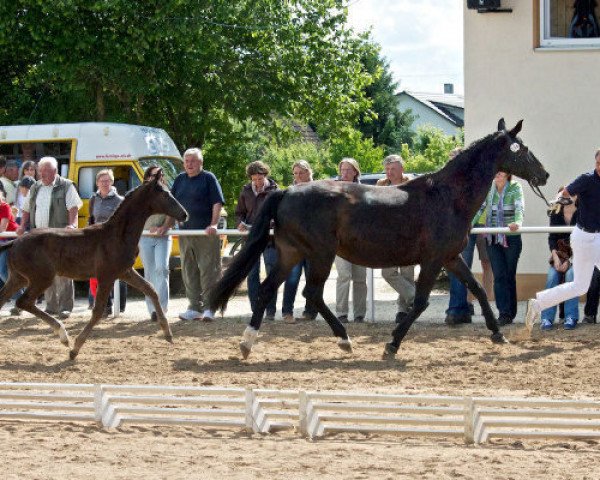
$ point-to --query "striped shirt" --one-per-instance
(514, 205)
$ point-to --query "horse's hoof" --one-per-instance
(498, 338)
(389, 352)
(73, 354)
(63, 336)
(169, 338)
(245, 348)
(345, 345)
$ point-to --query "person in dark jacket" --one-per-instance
(251, 198)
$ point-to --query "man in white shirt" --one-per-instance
(53, 202)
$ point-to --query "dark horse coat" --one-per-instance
(106, 251)
(425, 221)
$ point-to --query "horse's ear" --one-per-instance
(501, 125)
(516, 129)
(159, 175)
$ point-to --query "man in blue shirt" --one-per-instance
(585, 242)
(200, 193)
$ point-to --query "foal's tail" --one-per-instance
(242, 263)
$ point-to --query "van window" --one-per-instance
(125, 179)
(171, 167)
(23, 151)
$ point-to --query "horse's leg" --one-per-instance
(134, 279)
(459, 268)
(12, 286)
(102, 293)
(28, 300)
(427, 277)
(286, 259)
(317, 272)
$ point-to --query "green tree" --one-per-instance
(383, 121)
(190, 66)
(430, 150)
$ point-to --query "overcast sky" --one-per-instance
(421, 39)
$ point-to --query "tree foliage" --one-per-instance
(191, 66)
(383, 121)
(430, 151)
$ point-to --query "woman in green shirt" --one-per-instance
(504, 207)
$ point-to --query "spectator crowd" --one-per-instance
(33, 195)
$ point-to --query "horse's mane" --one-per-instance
(126, 199)
(459, 163)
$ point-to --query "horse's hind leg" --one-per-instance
(427, 277)
(137, 281)
(459, 268)
(13, 284)
(27, 302)
(286, 259)
(317, 272)
(102, 293)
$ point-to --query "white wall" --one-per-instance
(555, 92)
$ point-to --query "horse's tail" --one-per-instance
(242, 263)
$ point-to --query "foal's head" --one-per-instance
(516, 158)
(159, 199)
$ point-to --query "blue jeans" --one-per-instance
(458, 304)
(270, 258)
(504, 262)
(553, 279)
(155, 252)
(291, 288)
(4, 273)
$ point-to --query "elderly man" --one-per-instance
(52, 202)
(199, 192)
(401, 279)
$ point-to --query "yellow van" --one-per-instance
(82, 149)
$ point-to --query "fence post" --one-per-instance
(251, 424)
(371, 294)
(302, 407)
(469, 420)
(98, 403)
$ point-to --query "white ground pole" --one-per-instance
(370, 276)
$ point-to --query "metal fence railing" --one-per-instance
(370, 276)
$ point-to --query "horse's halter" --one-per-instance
(514, 148)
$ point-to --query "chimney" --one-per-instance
(448, 88)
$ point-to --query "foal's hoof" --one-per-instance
(64, 337)
(389, 352)
(345, 345)
(73, 354)
(245, 348)
(498, 338)
(169, 337)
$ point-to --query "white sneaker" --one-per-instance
(532, 314)
(208, 315)
(190, 315)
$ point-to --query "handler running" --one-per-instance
(585, 242)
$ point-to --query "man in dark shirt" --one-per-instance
(200, 193)
(585, 242)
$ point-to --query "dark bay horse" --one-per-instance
(425, 221)
(106, 251)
